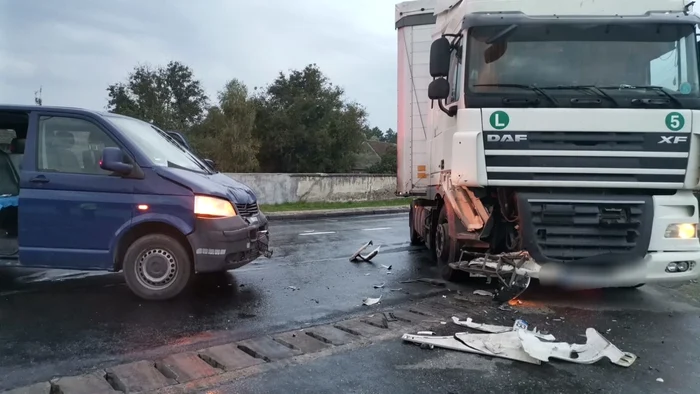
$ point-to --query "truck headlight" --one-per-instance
(213, 207)
(682, 231)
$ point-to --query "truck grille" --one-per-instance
(556, 157)
(564, 229)
(247, 209)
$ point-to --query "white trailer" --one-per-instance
(554, 139)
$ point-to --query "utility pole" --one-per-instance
(37, 96)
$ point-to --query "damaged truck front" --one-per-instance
(551, 139)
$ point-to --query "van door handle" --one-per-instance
(88, 206)
(39, 179)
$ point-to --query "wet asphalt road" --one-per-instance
(66, 323)
(50, 325)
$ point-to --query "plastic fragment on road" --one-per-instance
(595, 349)
(483, 293)
(660, 380)
(495, 329)
(426, 333)
(381, 286)
(358, 256)
(503, 345)
(387, 267)
(369, 301)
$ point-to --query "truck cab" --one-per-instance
(87, 190)
(564, 130)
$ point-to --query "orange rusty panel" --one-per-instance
(421, 168)
(422, 175)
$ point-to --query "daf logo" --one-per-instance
(506, 138)
(672, 139)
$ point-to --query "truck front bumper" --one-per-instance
(651, 269)
(229, 243)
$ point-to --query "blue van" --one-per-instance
(85, 190)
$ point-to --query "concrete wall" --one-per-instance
(285, 188)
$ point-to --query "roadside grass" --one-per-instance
(315, 206)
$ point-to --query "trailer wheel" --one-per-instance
(415, 237)
(157, 267)
(445, 248)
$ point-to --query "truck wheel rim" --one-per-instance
(156, 269)
(439, 239)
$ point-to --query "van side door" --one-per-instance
(70, 209)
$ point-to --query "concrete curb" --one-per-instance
(327, 213)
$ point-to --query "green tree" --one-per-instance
(226, 134)
(169, 97)
(305, 125)
(374, 133)
(389, 136)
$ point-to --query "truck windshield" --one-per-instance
(157, 145)
(555, 56)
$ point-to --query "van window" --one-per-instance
(71, 145)
(162, 149)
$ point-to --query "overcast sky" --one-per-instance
(76, 48)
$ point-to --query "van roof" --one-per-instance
(72, 110)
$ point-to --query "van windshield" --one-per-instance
(156, 144)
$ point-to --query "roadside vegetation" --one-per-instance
(334, 205)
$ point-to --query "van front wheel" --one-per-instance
(157, 267)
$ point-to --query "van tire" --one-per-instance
(157, 267)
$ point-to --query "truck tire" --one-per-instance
(445, 248)
(157, 267)
(415, 237)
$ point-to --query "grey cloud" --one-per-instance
(76, 48)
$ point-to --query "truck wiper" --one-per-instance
(521, 86)
(591, 88)
(658, 89)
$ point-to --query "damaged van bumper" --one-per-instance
(229, 243)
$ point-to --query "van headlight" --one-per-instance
(213, 207)
(682, 231)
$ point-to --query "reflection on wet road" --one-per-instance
(53, 323)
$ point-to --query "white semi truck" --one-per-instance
(552, 139)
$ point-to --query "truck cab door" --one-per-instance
(69, 208)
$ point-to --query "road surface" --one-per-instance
(62, 323)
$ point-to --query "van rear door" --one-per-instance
(69, 208)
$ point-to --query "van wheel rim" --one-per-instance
(156, 269)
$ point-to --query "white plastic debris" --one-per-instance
(660, 380)
(504, 345)
(369, 301)
(293, 288)
(381, 286)
(494, 329)
(483, 293)
(357, 256)
(388, 267)
(426, 333)
(596, 348)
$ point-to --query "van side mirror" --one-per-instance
(113, 160)
(440, 58)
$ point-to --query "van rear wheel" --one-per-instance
(157, 267)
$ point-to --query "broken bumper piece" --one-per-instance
(357, 256)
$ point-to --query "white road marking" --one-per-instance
(376, 229)
(319, 233)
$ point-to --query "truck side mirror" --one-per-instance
(440, 58)
(439, 89)
(113, 160)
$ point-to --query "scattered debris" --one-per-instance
(379, 286)
(494, 329)
(426, 333)
(660, 380)
(369, 301)
(520, 344)
(399, 289)
(388, 267)
(443, 322)
(506, 308)
(293, 288)
(434, 282)
(596, 348)
(244, 315)
(483, 293)
(367, 274)
(357, 256)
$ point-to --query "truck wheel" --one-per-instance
(445, 248)
(157, 267)
(415, 237)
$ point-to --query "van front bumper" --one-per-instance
(230, 243)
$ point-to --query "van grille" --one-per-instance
(568, 229)
(247, 209)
